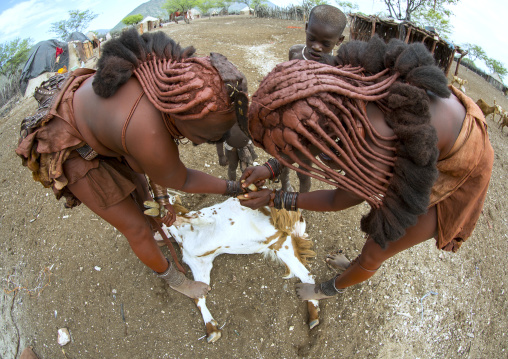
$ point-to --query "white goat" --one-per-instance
(231, 228)
(460, 82)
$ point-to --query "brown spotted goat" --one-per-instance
(230, 228)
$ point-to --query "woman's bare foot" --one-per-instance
(179, 282)
(306, 291)
(337, 260)
(192, 289)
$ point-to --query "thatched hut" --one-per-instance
(363, 28)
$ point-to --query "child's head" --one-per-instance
(323, 31)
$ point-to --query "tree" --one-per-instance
(404, 9)
(496, 66)
(179, 5)
(474, 52)
(78, 21)
(347, 6)
(224, 5)
(205, 5)
(439, 19)
(13, 54)
(132, 19)
(170, 8)
(311, 3)
(257, 4)
(246, 2)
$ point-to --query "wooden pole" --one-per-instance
(433, 48)
(462, 54)
(408, 33)
(450, 61)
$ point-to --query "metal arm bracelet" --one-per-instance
(275, 169)
(285, 200)
(233, 188)
(160, 194)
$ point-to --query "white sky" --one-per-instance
(477, 22)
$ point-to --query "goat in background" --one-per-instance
(503, 122)
(462, 83)
(487, 110)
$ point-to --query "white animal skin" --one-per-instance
(231, 228)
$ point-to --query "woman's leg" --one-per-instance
(127, 217)
(373, 256)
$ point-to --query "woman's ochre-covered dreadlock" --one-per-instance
(303, 104)
(177, 84)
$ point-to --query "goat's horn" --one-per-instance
(252, 187)
(152, 212)
(151, 204)
(152, 208)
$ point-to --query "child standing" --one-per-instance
(238, 150)
(323, 32)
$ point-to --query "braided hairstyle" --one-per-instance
(303, 105)
(176, 83)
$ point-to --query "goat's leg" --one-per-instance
(201, 269)
(213, 333)
(297, 269)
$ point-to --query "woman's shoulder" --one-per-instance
(112, 120)
(447, 117)
(377, 119)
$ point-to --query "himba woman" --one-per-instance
(101, 132)
(382, 127)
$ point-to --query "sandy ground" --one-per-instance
(68, 268)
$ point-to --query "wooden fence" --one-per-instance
(363, 28)
(298, 13)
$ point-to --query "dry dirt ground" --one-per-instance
(68, 268)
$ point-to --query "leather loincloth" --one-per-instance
(50, 153)
(464, 175)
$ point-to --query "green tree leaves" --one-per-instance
(12, 54)
(77, 21)
(132, 19)
(179, 5)
(347, 6)
(476, 52)
(423, 13)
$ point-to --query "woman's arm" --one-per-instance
(319, 201)
(154, 152)
(327, 200)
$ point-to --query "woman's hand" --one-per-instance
(256, 175)
(255, 200)
(169, 218)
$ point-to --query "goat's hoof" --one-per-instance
(313, 323)
(214, 336)
(212, 332)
